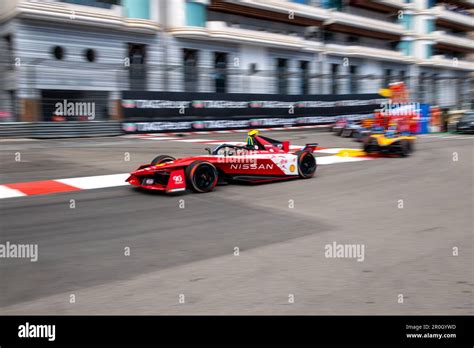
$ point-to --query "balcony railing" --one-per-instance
(74, 12)
(299, 9)
(452, 63)
(218, 30)
(328, 16)
(365, 23)
(369, 14)
(453, 40)
(465, 19)
(94, 3)
(393, 3)
(365, 51)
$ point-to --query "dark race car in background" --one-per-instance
(354, 130)
(339, 125)
(466, 122)
(350, 129)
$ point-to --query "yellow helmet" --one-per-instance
(252, 132)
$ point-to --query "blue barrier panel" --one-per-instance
(425, 116)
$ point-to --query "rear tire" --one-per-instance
(306, 164)
(201, 176)
(162, 159)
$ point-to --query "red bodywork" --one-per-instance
(271, 161)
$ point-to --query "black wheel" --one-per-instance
(367, 148)
(201, 176)
(306, 164)
(369, 145)
(162, 159)
(405, 148)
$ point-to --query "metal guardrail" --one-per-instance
(60, 129)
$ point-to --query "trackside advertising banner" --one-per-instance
(163, 111)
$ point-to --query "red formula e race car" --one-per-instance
(261, 160)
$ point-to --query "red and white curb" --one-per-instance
(62, 185)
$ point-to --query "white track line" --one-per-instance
(334, 150)
(223, 131)
(339, 159)
(456, 137)
(430, 135)
(444, 136)
(194, 140)
(159, 138)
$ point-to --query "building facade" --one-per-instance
(97, 48)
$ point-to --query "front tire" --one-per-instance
(201, 176)
(306, 164)
(162, 159)
(405, 148)
(369, 145)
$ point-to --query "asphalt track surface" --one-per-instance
(190, 251)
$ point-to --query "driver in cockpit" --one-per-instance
(250, 143)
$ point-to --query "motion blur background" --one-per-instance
(95, 49)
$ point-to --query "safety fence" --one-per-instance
(59, 129)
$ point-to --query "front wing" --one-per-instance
(159, 180)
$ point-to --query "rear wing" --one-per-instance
(310, 147)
